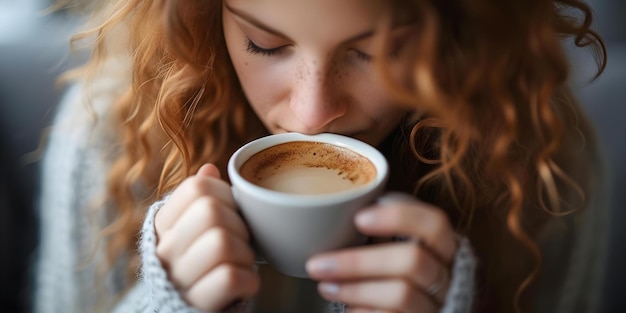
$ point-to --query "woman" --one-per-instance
(489, 153)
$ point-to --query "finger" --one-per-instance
(209, 170)
(204, 214)
(222, 286)
(400, 215)
(399, 260)
(393, 295)
(214, 247)
(438, 289)
(189, 190)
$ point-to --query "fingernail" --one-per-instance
(366, 218)
(329, 288)
(321, 265)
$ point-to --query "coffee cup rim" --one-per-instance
(305, 200)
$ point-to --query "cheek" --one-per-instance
(379, 105)
(382, 113)
(262, 83)
(372, 97)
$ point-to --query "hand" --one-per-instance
(203, 243)
(400, 276)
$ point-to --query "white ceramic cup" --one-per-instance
(286, 228)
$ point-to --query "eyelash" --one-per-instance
(362, 55)
(252, 48)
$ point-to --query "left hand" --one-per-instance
(396, 276)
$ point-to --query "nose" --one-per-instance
(315, 98)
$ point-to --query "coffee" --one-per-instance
(305, 167)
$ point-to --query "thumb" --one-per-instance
(209, 170)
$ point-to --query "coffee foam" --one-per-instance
(346, 164)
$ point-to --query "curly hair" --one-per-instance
(499, 141)
(504, 139)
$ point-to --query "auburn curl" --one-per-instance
(489, 82)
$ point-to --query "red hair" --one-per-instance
(499, 142)
(507, 147)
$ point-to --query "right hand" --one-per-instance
(203, 243)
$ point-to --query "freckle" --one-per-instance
(246, 64)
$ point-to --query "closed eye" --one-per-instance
(362, 55)
(253, 48)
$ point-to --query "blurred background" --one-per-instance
(34, 51)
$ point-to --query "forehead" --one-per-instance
(315, 18)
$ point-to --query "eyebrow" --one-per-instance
(252, 20)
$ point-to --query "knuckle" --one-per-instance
(194, 185)
(221, 240)
(206, 211)
(220, 234)
(415, 259)
(405, 295)
(228, 276)
(356, 263)
(209, 202)
(199, 300)
(176, 273)
(395, 215)
(439, 222)
(164, 248)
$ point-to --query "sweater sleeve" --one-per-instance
(460, 295)
(153, 287)
(153, 291)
